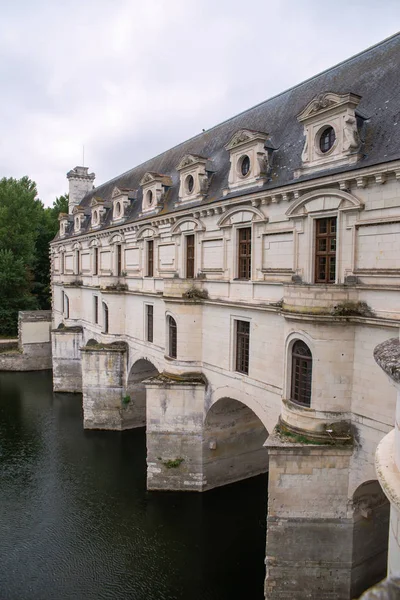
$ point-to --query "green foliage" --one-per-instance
(14, 291)
(26, 229)
(350, 308)
(173, 464)
(126, 400)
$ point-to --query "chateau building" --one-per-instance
(228, 294)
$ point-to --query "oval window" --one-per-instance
(149, 197)
(327, 139)
(189, 184)
(245, 165)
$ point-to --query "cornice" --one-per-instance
(363, 177)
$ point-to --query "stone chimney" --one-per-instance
(80, 183)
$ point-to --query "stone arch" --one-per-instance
(135, 398)
(198, 225)
(340, 201)
(248, 400)
(257, 215)
(117, 238)
(233, 443)
(140, 233)
(371, 511)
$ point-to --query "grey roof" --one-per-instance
(374, 74)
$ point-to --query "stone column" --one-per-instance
(175, 407)
(67, 370)
(105, 403)
(387, 355)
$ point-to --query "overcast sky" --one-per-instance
(128, 79)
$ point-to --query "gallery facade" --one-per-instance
(228, 294)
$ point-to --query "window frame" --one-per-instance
(172, 333)
(297, 362)
(106, 318)
(149, 318)
(242, 346)
(96, 308)
(95, 260)
(190, 274)
(329, 255)
(248, 256)
(150, 258)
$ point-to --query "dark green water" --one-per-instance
(76, 521)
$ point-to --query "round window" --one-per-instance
(245, 165)
(189, 184)
(149, 197)
(327, 139)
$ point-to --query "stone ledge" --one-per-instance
(387, 355)
(386, 469)
(70, 329)
(164, 378)
(33, 316)
(276, 444)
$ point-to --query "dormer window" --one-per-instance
(121, 201)
(79, 216)
(331, 132)
(98, 212)
(63, 220)
(195, 173)
(250, 153)
(154, 186)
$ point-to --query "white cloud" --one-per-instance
(129, 79)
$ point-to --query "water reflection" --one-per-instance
(77, 522)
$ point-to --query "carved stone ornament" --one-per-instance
(243, 136)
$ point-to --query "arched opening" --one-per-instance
(172, 337)
(135, 398)
(301, 377)
(233, 443)
(370, 537)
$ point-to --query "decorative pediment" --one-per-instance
(244, 136)
(151, 177)
(191, 160)
(96, 201)
(324, 200)
(117, 238)
(235, 216)
(63, 217)
(147, 231)
(78, 210)
(327, 101)
(187, 224)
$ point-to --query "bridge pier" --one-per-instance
(67, 371)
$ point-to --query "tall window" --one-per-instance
(301, 373)
(61, 263)
(105, 318)
(95, 261)
(96, 308)
(242, 346)
(62, 302)
(66, 306)
(149, 322)
(77, 262)
(150, 258)
(119, 260)
(325, 250)
(244, 247)
(172, 337)
(190, 256)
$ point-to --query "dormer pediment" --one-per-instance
(326, 103)
(63, 220)
(120, 202)
(63, 216)
(245, 136)
(191, 160)
(78, 210)
(96, 202)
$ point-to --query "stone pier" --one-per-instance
(67, 370)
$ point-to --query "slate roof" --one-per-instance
(374, 74)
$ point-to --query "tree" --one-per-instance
(14, 291)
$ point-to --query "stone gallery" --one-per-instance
(229, 293)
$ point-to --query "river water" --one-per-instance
(76, 521)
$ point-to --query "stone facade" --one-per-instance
(237, 294)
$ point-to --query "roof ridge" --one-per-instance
(293, 87)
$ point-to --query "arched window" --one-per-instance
(172, 337)
(65, 305)
(105, 318)
(301, 373)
